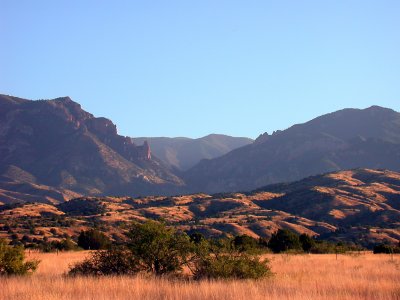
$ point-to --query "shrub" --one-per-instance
(12, 261)
(284, 240)
(63, 245)
(228, 266)
(107, 262)
(93, 240)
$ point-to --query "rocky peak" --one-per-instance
(144, 151)
(262, 138)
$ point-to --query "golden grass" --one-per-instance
(365, 276)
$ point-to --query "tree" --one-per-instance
(197, 237)
(159, 249)
(386, 248)
(307, 242)
(244, 243)
(12, 260)
(284, 240)
(93, 240)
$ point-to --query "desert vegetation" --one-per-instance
(350, 276)
(158, 261)
(153, 248)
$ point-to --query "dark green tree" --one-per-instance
(93, 240)
(245, 243)
(197, 237)
(386, 248)
(159, 249)
(284, 240)
(307, 242)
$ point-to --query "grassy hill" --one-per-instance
(360, 206)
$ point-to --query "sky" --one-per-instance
(191, 68)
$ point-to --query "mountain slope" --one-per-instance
(55, 143)
(346, 139)
(183, 153)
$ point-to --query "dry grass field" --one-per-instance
(364, 276)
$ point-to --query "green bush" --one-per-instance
(227, 266)
(12, 261)
(93, 240)
(106, 262)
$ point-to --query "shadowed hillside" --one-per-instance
(346, 139)
(55, 145)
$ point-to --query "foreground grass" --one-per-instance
(364, 276)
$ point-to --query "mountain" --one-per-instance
(183, 153)
(346, 139)
(361, 206)
(56, 149)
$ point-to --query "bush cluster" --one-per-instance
(107, 262)
(157, 249)
(287, 241)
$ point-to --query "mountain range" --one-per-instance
(53, 150)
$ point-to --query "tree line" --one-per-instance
(153, 247)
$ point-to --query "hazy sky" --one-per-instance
(189, 68)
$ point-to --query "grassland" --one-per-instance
(364, 276)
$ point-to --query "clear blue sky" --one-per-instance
(189, 68)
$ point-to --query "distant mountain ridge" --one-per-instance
(183, 153)
(346, 139)
(55, 144)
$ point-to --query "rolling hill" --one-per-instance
(361, 206)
